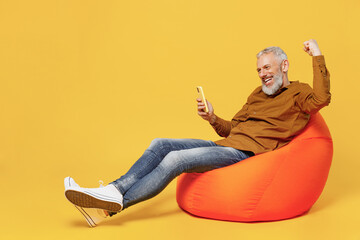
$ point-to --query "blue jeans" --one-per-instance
(165, 159)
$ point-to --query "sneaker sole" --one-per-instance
(84, 200)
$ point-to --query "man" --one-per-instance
(272, 116)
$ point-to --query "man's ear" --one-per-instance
(285, 66)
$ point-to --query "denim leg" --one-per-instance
(152, 156)
(199, 159)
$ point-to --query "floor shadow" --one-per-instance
(323, 203)
(148, 211)
(341, 185)
(79, 223)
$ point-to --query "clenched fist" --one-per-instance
(312, 48)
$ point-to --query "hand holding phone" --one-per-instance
(202, 97)
(205, 109)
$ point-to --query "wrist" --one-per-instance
(212, 119)
(316, 53)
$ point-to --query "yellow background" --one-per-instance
(86, 85)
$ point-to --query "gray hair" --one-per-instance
(278, 52)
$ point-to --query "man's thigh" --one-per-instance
(176, 144)
(202, 159)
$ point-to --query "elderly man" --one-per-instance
(272, 116)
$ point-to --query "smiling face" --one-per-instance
(270, 73)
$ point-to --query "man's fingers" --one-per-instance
(202, 114)
(308, 47)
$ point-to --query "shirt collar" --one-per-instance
(282, 89)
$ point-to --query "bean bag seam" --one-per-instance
(267, 187)
(286, 157)
(298, 140)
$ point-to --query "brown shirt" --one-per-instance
(266, 123)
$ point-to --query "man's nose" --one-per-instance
(262, 73)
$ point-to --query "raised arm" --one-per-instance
(312, 100)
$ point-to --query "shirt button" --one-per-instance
(254, 112)
(229, 136)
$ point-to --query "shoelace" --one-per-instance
(101, 183)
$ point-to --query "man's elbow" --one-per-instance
(323, 101)
(327, 99)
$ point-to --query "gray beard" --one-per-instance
(278, 81)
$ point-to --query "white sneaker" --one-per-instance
(69, 182)
(107, 198)
(93, 216)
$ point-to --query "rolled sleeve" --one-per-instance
(222, 127)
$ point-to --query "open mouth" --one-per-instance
(268, 81)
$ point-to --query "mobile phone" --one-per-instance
(202, 96)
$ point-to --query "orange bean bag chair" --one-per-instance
(275, 185)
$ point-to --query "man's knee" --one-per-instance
(156, 142)
(174, 160)
(162, 143)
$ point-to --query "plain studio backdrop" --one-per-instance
(86, 85)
